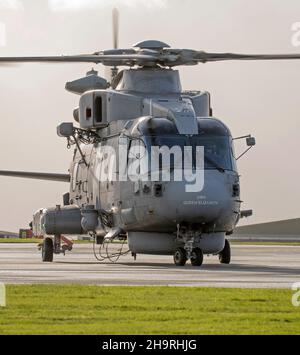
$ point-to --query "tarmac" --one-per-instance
(251, 267)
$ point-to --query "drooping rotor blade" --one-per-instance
(176, 57)
(37, 176)
(216, 57)
(119, 59)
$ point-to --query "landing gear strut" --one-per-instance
(225, 255)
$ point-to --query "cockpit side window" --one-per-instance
(217, 151)
(233, 155)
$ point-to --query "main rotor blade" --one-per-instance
(109, 59)
(110, 72)
(216, 57)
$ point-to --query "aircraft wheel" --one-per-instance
(180, 257)
(197, 257)
(225, 255)
(47, 250)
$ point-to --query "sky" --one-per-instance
(258, 98)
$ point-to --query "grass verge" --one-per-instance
(34, 241)
(70, 309)
(288, 244)
(19, 241)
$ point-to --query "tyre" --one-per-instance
(197, 257)
(180, 257)
(225, 255)
(47, 250)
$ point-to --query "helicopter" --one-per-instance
(119, 189)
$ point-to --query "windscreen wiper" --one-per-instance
(216, 165)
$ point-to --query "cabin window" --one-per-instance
(98, 109)
(88, 113)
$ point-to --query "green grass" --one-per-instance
(19, 241)
(289, 244)
(34, 241)
(46, 309)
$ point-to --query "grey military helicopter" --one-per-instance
(143, 106)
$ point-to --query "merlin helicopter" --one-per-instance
(144, 106)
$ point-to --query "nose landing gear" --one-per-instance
(191, 243)
(181, 257)
(191, 250)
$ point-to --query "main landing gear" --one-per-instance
(225, 255)
(47, 250)
(182, 255)
(51, 246)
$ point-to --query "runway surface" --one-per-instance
(252, 267)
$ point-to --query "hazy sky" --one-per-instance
(258, 98)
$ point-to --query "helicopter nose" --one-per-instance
(207, 205)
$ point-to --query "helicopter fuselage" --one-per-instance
(157, 215)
